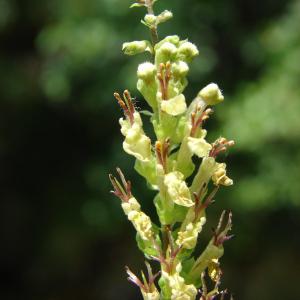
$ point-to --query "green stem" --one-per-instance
(165, 238)
(153, 29)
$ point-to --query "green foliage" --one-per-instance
(268, 110)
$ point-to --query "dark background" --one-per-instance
(63, 236)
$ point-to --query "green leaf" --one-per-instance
(146, 24)
(146, 113)
(136, 5)
(147, 247)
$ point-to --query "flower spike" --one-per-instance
(181, 167)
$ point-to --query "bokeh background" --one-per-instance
(63, 236)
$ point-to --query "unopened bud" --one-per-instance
(187, 51)
(164, 16)
(211, 94)
(165, 52)
(146, 71)
(168, 48)
(180, 69)
(150, 19)
(173, 39)
(136, 47)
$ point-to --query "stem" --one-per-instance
(153, 29)
(165, 238)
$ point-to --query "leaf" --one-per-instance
(136, 5)
(147, 247)
(146, 113)
(146, 24)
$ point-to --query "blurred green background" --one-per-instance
(63, 235)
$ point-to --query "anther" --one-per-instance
(127, 105)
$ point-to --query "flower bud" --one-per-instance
(173, 39)
(166, 52)
(211, 94)
(146, 71)
(151, 296)
(164, 16)
(136, 47)
(174, 106)
(150, 19)
(180, 69)
(187, 51)
(130, 205)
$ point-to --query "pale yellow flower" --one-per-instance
(136, 143)
(179, 290)
(142, 224)
(177, 189)
(188, 237)
(199, 146)
(150, 296)
(174, 106)
(219, 177)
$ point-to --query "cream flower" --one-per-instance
(177, 189)
(199, 146)
(219, 177)
(188, 238)
(142, 224)
(174, 106)
(136, 143)
(179, 290)
(151, 296)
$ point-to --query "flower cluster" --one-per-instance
(185, 188)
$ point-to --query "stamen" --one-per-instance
(197, 119)
(134, 279)
(220, 145)
(162, 152)
(127, 105)
(164, 75)
(201, 206)
(221, 236)
(122, 191)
